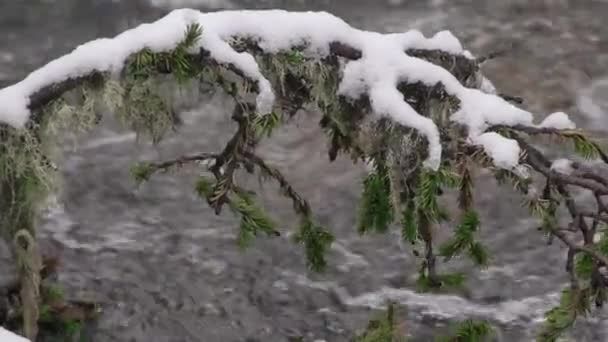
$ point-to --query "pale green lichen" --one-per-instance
(324, 85)
(70, 121)
(27, 170)
(113, 95)
(145, 111)
(26, 177)
(299, 80)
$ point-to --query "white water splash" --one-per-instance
(108, 140)
(443, 306)
(351, 259)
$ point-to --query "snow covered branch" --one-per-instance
(418, 110)
(373, 65)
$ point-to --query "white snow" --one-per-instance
(557, 120)
(468, 54)
(503, 151)
(562, 166)
(383, 65)
(7, 336)
(487, 86)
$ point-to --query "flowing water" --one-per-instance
(169, 270)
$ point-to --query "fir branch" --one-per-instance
(300, 205)
(587, 148)
(463, 240)
(518, 183)
(203, 187)
(409, 218)
(179, 61)
(422, 210)
(595, 254)
(192, 35)
(583, 145)
(429, 186)
(376, 211)
(141, 172)
(563, 316)
(266, 124)
(316, 241)
(584, 266)
(478, 253)
(253, 218)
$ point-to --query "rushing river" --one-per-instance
(169, 270)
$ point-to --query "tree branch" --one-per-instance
(572, 245)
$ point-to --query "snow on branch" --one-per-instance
(434, 119)
(7, 336)
(374, 65)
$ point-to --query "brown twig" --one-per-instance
(492, 55)
(572, 245)
(181, 161)
(300, 204)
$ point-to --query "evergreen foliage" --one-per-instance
(398, 192)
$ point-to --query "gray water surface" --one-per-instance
(169, 270)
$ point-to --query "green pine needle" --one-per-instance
(559, 318)
(141, 172)
(479, 254)
(409, 230)
(585, 147)
(584, 265)
(429, 186)
(549, 217)
(295, 57)
(448, 178)
(316, 241)
(253, 218)
(464, 240)
(508, 177)
(265, 124)
(452, 280)
(191, 37)
(178, 61)
(204, 187)
(446, 281)
(143, 64)
(451, 248)
(376, 209)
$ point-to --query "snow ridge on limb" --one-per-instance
(381, 64)
(8, 336)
